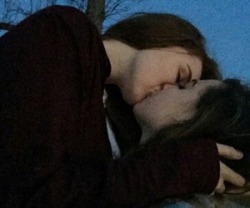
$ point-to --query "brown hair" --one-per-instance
(144, 31)
(155, 30)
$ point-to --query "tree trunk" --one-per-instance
(96, 12)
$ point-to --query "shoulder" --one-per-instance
(57, 19)
(64, 12)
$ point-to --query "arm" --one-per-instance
(161, 171)
(53, 153)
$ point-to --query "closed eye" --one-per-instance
(184, 76)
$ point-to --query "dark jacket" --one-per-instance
(54, 150)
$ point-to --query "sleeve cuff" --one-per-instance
(199, 164)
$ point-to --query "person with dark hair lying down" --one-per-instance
(218, 110)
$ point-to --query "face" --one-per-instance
(172, 105)
(152, 70)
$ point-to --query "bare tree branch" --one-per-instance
(5, 26)
(97, 10)
(16, 10)
(80, 4)
(113, 8)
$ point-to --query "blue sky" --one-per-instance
(224, 23)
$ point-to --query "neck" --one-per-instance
(120, 56)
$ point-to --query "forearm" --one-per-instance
(162, 171)
(139, 179)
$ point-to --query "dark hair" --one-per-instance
(223, 114)
(156, 30)
(143, 31)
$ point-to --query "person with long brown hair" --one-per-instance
(55, 151)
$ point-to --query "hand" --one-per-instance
(226, 173)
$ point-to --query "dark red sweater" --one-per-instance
(54, 150)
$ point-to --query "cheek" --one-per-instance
(128, 96)
(132, 94)
(147, 110)
(145, 76)
(131, 88)
(158, 114)
(187, 109)
(135, 87)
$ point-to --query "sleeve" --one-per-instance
(45, 115)
(53, 67)
(163, 171)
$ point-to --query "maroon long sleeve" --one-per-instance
(54, 150)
